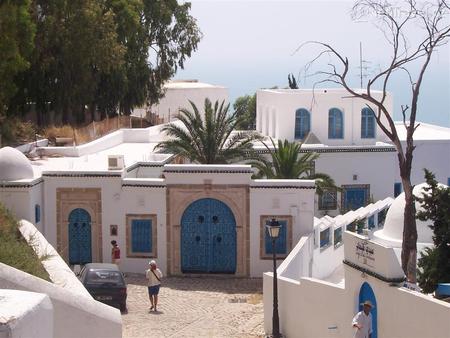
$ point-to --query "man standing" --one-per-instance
(363, 321)
(154, 276)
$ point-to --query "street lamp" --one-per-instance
(273, 229)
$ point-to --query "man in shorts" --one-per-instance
(153, 275)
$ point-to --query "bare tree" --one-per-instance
(393, 19)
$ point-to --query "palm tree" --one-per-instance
(286, 163)
(210, 140)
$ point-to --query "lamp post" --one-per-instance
(273, 230)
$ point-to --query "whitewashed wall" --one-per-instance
(138, 200)
(273, 200)
(378, 169)
(18, 201)
(176, 98)
(433, 155)
(25, 314)
(278, 106)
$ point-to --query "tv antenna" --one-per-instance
(363, 66)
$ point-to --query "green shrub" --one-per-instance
(14, 250)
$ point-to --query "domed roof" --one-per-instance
(392, 232)
(14, 165)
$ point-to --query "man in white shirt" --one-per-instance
(154, 276)
(363, 321)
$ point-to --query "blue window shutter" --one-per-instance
(397, 189)
(335, 123)
(280, 243)
(448, 181)
(37, 213)
(367, 123)
(141, 235)
(302, 123)
(355, 198)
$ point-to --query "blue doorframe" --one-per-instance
(366, 293)
(208, 238)
(80, 250)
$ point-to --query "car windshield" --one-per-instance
(104, 276)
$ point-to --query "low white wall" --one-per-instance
(25, 314)
(74, 315)
(298, 263)
(307, 308)
(60, 274)
(327, 260)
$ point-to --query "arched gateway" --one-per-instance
(366, 293)
(208, 238)
(80, 249)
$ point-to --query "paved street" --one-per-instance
(195, 307)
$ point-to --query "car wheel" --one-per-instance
(123, 307)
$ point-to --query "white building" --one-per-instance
(177, 95)
(353, 150)
(191, 218)
(323, 281)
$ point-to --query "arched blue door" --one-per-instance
(366, 293)
(80, 251)
(208, 237)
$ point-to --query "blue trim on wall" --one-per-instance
(302, 123)
(335, 123)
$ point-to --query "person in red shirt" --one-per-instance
(115, 253)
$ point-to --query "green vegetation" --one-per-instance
(16, 44)
(434, 265)
(208, 140)
(245, 109)
(287, 163)
(14, 250)
(75, 60)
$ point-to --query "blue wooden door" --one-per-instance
(208, 237)
(80, 251)
(355, 197)
(366, 293)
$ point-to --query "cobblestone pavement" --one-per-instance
(195, 307)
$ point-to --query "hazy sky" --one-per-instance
(251, 44)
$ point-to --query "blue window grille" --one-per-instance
(328, 200)
(141, 235)
(367, 123)
(280, 243)
(325, 238)
(302, 123)
(398, 188)
(337, 236)
(37, 213)
(371, 222)
(335, 123)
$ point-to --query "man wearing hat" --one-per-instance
(363, 321)
(153, 276)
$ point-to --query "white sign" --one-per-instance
(365, 253)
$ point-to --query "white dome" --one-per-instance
(14, 165)
(392, 232)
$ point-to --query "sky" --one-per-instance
(249, 45)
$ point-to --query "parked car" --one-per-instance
(105, 283)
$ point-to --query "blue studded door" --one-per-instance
(80, 251)
(208, 238)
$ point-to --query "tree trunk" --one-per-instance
(409, 247)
